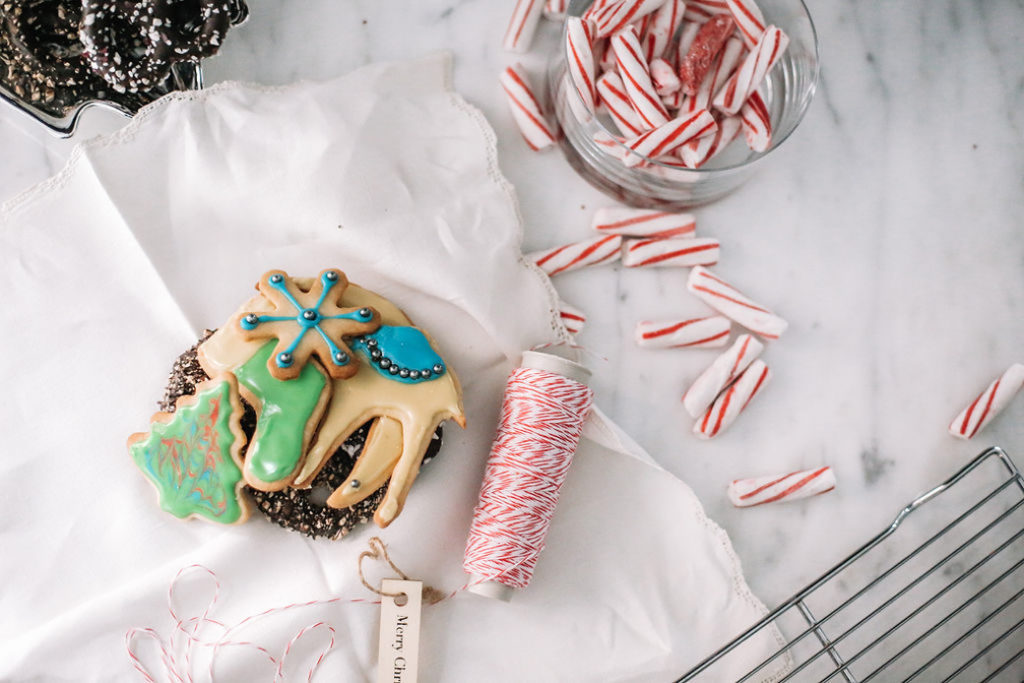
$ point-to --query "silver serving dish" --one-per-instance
(184, 76)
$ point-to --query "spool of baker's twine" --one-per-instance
(545, 404)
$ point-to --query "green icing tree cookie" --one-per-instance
(193, 455)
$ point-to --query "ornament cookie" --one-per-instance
(192, 455)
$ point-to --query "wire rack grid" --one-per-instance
(941, 601)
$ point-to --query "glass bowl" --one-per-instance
(787, 91)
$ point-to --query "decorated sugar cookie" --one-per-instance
(192, 456)
(306, 322)
(338, 427)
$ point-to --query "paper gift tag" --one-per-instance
(398, 658)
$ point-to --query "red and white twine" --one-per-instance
(541, 421)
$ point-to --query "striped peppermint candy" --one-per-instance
(721, 373)
(670, 136)
(573, 318)
(752, 72)
(664, 76)
(637, 79)
(712, 7)
(733, 401)
(596, 7)
(538, 132)
(522, 25)
(620, 109)
(745, 493)
(700, 333)
(757, 124)
(696, 153)
(721, 70)
(601, 249)
(729, 301)
(579, 49)
(687, 35)
(989, 403)
(748, 19)
(643, 222)
(554, 10)
(670, 252)
(615, 17)
(708, 43)
(664, 24)
(611, 145)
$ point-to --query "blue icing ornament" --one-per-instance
(401, 353)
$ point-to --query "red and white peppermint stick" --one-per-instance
(757, 124)
(990, 403)
(610, 145)
(674, 102)
(722, 372)
(579, 50)
(573, 318)
(648, 42)
(670, 136)
(708, 43)
(538, 132)
(637, 79)
(687, 35)
(664, 76)
(712, 7)
(722, 68)
(696, 153)
(643, 222)
(620, 109)
(745, 493)
(728, 301)
(607, 61)
(615, 17)
(696, 14)
(670, 252)
(700, 333)
(554, 10)
(733, 401)
(597, 6)
(523, 25)
(664, 24)
(602, 249)
(752, 71)
(749, 20)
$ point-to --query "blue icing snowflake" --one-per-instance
(401, 353)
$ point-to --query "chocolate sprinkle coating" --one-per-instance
(301, 510)
(42, 60)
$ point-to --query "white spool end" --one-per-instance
(490, 589)
(549, 362)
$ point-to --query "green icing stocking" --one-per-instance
(188, 457)
(286, 406)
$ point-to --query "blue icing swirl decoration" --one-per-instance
(307, 319)
(401, 353)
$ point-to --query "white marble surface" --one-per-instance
(887, 230)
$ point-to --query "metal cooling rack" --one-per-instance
(933, 598)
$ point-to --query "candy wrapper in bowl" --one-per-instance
(155, 233)
(612, 144)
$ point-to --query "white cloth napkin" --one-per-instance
(117, 264)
